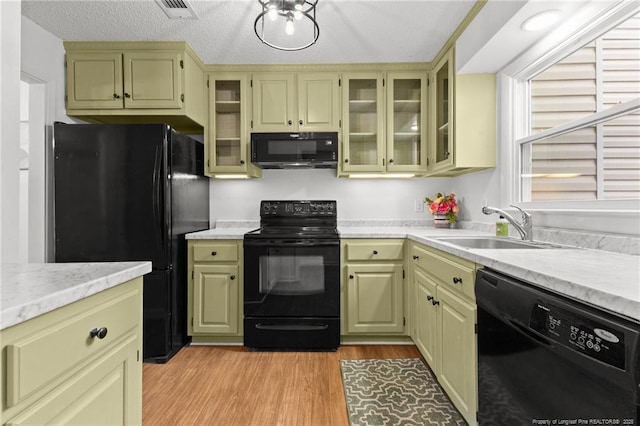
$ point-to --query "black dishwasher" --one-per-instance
(546, 359)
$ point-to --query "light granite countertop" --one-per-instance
(601, 278)
(32, 289)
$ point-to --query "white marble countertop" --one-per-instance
(601, 278)
(220, 234)
(32, 289)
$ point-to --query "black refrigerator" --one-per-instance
(130, 192)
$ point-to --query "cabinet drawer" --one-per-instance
(215, 252)
(452, 271)
(49, 353)
(374, 250)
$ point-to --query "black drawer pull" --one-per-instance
(416, 257)
(213, 253)
(100, 333)
(375, 252)
(457, 280)
(429, 297)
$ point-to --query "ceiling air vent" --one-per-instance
(177, 9)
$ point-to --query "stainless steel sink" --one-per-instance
(492, 243)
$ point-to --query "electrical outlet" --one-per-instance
(419, 206)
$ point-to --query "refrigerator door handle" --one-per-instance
(157, 198)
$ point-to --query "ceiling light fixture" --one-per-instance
(292, 14)
(541, 21)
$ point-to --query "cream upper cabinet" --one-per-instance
(385, 122)
(285, 102)
(152, 79)
(406, 122)
(124, 82)
(95, 80)
(463, 120)
(318, 102)
(227, 146)
(363, 122)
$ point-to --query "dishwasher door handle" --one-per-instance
(529, 333)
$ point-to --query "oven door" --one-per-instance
(292, 278)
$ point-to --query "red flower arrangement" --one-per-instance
(445, 205)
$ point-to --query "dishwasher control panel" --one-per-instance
(580, 333)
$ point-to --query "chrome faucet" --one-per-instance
(525, 229)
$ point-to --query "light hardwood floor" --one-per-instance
(228, 385)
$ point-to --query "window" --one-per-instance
(582, 139)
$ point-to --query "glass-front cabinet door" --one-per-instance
(228, 146)
(406, 125)
(441, 153)
(363, 128)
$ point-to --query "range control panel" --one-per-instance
(298, 208)
(579, 333)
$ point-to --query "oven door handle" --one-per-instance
(292, 327)
(292, 243)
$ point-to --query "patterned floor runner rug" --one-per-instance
(395, 392)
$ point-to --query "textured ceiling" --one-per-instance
(351, 31)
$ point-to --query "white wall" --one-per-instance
(42, 65)
(356, 198)
(9, 128)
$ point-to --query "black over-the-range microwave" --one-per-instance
(295, 150)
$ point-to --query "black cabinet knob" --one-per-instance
(375, 252)
(300, 122)
(457, 280)
(126, 95)
(429, 297)
(213, 253)
(390, 160)
(416, 257)
(290, 122)
(435, 302)
(232, 277)
(116, 96)
(241, 161)
(346, 160)
(350, 277)
(100, 333)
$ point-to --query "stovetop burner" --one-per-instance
(296, 219)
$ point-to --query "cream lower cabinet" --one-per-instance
(444, 323)
(215, 288)
(55, 372)
(373, 291)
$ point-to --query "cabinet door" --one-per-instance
(442, 111)
(406, 122)
(153, 80)
(427, 319)
(374, 299)
(458, 352)
(318, 102)
(215, 299)
(94, 80)
(227, 147)
(273, 101)
(107, 392)
(363, 116)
